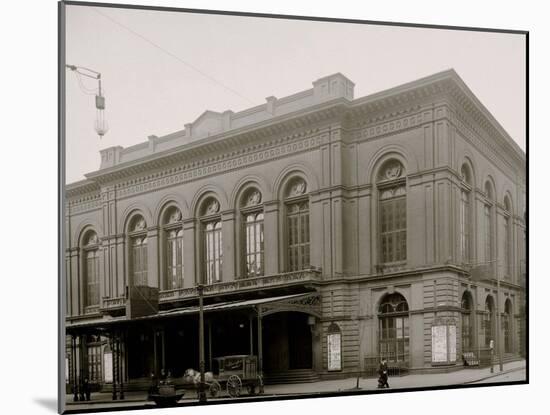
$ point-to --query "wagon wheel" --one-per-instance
(260, 382)
(234, 386)
(214, 388)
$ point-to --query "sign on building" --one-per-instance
(108, 366)
(334, 347)
(443, 341)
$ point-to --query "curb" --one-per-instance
(144, 401)
(494, 375)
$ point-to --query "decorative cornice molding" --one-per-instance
(213, 166)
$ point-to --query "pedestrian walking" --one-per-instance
(86, 389)
(383, 373)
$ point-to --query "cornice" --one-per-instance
(258, 153)
(387, 112)
(227, 144)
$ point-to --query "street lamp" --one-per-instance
(202, 392)
(100, 125)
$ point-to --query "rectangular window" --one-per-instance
(254, 244)
(213, 252)
(174, 260)
(92, 278)
(393, 229)
(139, 261)
(465, 226)
(298, 236)
(488, 237)
(507, 248)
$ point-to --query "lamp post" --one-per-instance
(101, 126)
(202, 392)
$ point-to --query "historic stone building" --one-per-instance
(328, 231)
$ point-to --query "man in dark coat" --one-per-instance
(383, 372)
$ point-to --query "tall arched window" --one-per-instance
(212, 241)
(392, 212)
(506, 326)
(138, 251)
(253, 230)
(465, 214)
(508, 269)
(489, 227)
(173, 237)
(91, 269)
(297, 225)
(489, 320)
(393, 320)
(467, 326)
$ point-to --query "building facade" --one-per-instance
(327, 231)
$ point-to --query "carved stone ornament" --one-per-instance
(140, 225)
(253, 198)
(391, 171)
(93, 239)
(175, 216)
(212, 207)
(298, 188)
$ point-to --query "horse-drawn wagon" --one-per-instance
(232, 373)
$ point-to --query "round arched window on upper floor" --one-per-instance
(212, 245)
(297, 224)
(252, 216)
(172, 227)
(138, 251)
(466, 206)
(90, 248)
(392, 212)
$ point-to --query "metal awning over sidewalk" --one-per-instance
(308, 303)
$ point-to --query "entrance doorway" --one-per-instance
(287, 342)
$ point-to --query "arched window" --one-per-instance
(465, 214)
(467, 324)
(488, 209)
(297, 225)
(393, 320)
(392, 212)
(506, 326)
(138, 251)
(212, 241)
(173, 243)
(508, 269)
(253, 230)
(488, 320)
(91, 269)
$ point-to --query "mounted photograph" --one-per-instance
(260, 207)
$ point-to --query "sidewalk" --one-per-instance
(463, 376)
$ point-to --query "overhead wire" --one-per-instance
(174, 56)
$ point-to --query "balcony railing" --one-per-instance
(113, 304)
(245, 284)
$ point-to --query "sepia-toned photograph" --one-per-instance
(264, 207)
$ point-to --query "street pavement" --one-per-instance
(513, 371)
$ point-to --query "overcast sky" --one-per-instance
(162, 70)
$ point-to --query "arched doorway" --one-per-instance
(467, 322)
(287, 342)
(393, 324)
(489, 320)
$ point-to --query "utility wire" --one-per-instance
(212, 79)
